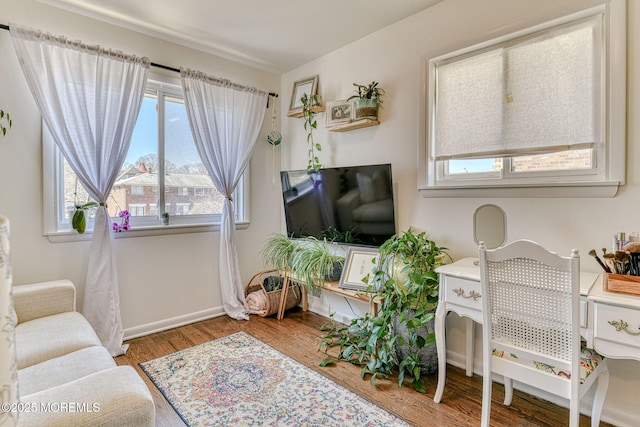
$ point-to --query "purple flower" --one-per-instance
(124, 222)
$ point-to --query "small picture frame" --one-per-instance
(358, 264)
(308, 86)
(339, 112)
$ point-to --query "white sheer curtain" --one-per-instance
(225, 120)
(89, 98)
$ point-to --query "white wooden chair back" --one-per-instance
(531, 318)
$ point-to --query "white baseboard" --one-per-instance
(173, 322)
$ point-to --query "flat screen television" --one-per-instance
(351, 205)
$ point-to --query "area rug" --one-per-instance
(240, 381)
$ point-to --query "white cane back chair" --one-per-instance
(531, 333)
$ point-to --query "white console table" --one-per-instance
(460, 293)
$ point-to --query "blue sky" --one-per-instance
(179, 143)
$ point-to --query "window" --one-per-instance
(529, 113)
(136, 209)
(161, 166)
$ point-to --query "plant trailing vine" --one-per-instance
(310, 124)
(407, 285)
(5, 122)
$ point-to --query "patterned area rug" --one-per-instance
(240, 381)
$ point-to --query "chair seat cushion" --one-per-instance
(52, 336)
(64, 369)
(589, 361)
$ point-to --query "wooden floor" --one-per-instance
(298, 335)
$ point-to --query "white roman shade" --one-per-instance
(537, 93)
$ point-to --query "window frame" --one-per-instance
(56, 229)
(610, 159)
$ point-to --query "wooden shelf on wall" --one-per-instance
(315, 109)
(356, 124)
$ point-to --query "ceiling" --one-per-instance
(274, 35)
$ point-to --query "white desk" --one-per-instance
(614, 321)
(460, 292)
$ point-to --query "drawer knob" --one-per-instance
(622, 326)
(472, 294)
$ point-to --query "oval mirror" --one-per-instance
(490, 226)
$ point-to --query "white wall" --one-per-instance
(163, 279)
(390, 56)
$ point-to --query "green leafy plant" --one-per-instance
(313, 262)
(370, 91)
(278, 250)
(407, 285)
(5, 122)
(310, 260)
(310, 124)
(79, 221)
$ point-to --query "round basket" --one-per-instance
(273, 297)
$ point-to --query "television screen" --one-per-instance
(351, 205)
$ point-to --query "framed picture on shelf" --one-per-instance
(357, 265)
(339, 112)
(308, 86)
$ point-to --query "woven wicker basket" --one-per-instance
(273, 298)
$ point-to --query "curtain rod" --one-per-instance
(164, 67)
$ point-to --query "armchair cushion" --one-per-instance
(112, 397)
(63, 369)
(52, 336)
(43, 299)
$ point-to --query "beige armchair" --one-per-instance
(64, 375)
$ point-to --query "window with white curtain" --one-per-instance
(161, 165)
(531, 112)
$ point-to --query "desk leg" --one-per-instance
(471, 338)
(442, 351)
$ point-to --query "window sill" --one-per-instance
(604, 189)
(147, 231)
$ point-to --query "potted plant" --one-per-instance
(308, 259)
(394, 341)
(367, 99)
(314, 262)
(310, 124)
(79, 220)
(278, 251)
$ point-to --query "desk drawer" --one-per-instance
(616, 324)
(463, 292)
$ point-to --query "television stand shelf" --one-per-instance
(331, 287)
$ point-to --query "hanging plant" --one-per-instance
(5, 122)
(79, 221)
(309, 125)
